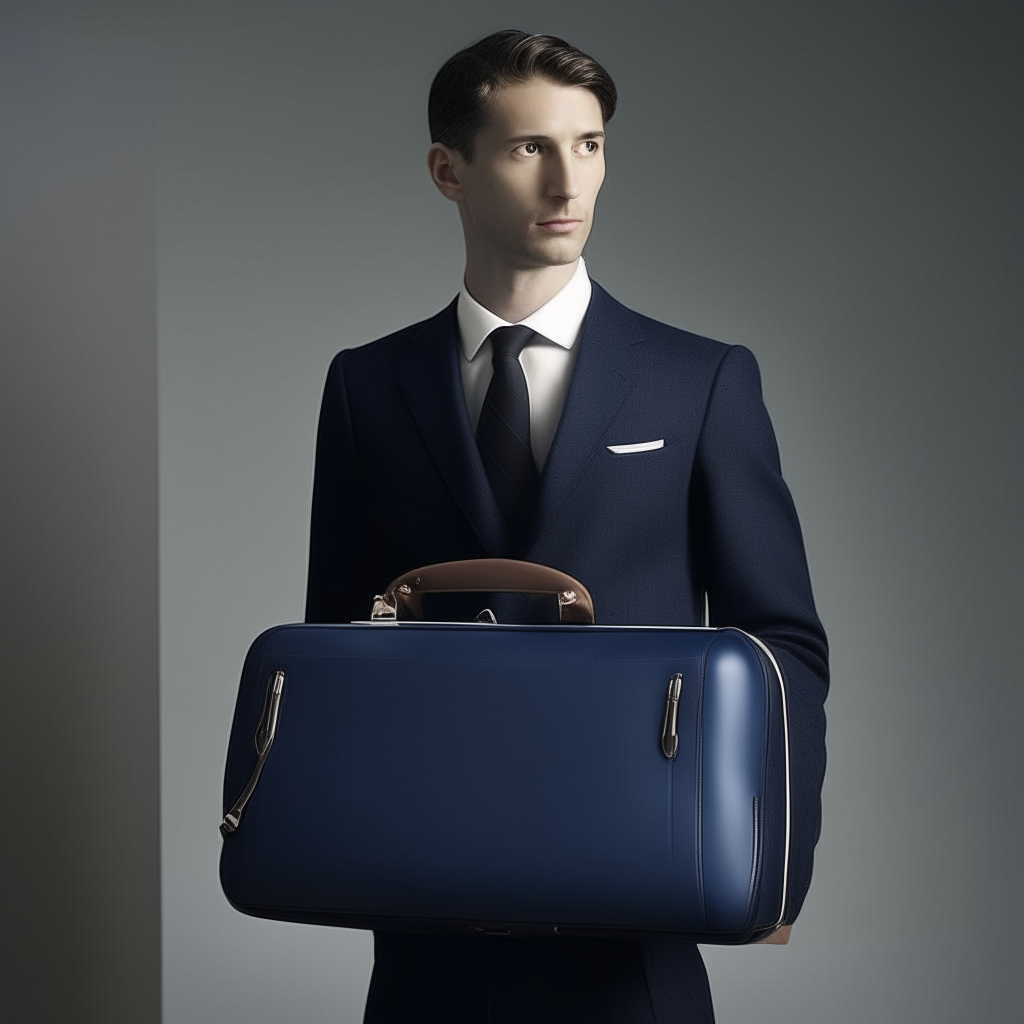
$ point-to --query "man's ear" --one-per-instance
(443, 166)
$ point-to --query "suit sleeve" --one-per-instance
(754, 568)
(339, 588)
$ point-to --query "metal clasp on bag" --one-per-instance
(266, 733)
(670, 720)
(385, 606)
(384, 610)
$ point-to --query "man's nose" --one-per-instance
(563, 182)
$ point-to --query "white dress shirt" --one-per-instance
(547, 361)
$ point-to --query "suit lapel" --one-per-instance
(431, 381)
(601, 382)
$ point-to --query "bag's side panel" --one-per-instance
(734, 721)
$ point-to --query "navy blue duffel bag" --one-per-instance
(461, 778)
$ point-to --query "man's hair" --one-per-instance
(466, 83)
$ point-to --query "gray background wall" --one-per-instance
(79, 732)
(833, 185)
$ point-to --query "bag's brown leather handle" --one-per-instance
(489, 575)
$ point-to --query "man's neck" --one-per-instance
(515, 294)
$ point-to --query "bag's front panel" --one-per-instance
(495, 775)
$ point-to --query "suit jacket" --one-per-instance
(399, 483)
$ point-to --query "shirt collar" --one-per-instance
(559, 319)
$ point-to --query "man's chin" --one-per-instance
(558, 255)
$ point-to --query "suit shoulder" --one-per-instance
(664, 341)
(384, 351)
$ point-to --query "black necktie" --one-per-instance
(503, 433)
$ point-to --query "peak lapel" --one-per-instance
(431, 382)
(601, 382)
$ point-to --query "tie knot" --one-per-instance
(510, 341)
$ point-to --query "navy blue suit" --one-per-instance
(399, 483)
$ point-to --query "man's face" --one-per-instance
(528, 195)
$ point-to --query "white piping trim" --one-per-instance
(785, 734)
(505, 625)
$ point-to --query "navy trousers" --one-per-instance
(493, 980)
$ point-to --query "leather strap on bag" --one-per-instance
(486, 575)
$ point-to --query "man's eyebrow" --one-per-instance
(547, 138)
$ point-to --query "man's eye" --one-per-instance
(590, 146)
(529, 148)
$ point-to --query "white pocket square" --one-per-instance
(640, 446)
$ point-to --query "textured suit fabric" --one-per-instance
(399, 483)
(541, 981)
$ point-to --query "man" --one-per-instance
(535, 417)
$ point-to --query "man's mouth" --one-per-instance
(560, 225)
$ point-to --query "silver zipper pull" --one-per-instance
(266, 733)
(267, 729)
(670, 720)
